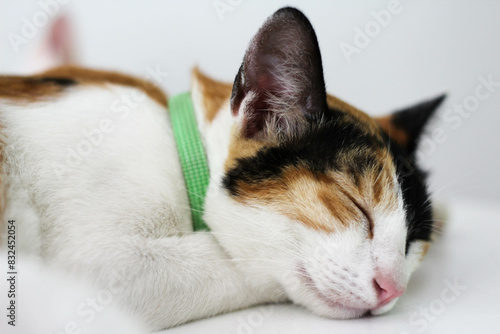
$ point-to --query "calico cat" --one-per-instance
(310, 200)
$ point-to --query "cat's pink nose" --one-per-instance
(387, 290)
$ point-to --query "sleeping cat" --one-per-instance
(310, 200)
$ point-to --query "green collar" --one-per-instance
(192, 155)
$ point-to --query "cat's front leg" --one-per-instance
(173, 280)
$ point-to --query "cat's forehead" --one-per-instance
(328, 178)
(345, 129)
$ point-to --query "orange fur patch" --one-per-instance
(301, 196)
(396, 134)
(363, 120)
(214, 93)
(27, 88)
(329, 202)
(31, 88)
(241, 147)
(425, 249)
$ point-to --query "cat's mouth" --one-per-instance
(340, 310)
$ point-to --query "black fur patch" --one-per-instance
(418, 207)
(317, 150)
(58, 81)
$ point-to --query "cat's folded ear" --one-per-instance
(405, 126)
(280, 83)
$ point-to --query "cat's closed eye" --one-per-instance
(367, 217)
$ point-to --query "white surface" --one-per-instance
(428, 48)
(468, 251)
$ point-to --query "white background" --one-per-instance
(430, 47)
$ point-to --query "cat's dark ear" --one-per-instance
(405, 126)
(280, 82)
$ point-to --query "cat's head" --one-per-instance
(317, 200)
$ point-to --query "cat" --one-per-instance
(310, 200)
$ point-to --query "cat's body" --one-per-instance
(309, 205)
(122, 210)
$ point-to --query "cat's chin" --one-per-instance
(384, 309)
(332, 310)
(335, 310)
(328, 308)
